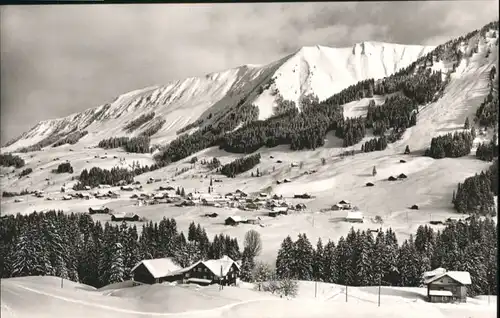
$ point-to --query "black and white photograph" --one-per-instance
(249, 160)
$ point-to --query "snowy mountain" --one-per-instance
(318, 70)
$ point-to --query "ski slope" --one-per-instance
(37, 297)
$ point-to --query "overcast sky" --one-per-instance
(57, 60)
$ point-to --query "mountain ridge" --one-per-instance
(215, 92)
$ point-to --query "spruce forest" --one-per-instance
(74, 247)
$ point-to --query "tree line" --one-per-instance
(138, 122)
(25, 172)
(240, 165)
(96, 176)
(360, 259)
(140, 144)
(487, 113)
(454, 145)
(487, 151)
(375, 144)
(153, 128)
(476, 194)
(74, 247)
(71, 138)
(9, 160)
(63, 168)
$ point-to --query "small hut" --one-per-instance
(391, 178)
(414, 207)
(369, 184)
(402, 176)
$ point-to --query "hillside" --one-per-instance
(430, 182)
(44, 297)
(318, 70)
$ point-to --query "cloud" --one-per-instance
(57, 60)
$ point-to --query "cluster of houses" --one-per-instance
(353, 214)
(115, 216)
(223, 271)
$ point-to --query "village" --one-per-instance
(271, 205)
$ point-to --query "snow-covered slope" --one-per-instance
(36, 297)
(318, 70)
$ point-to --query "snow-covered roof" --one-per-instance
(280, 209)
(440, 293)
(159, 267)
(237, 218)
(214, 265)
(461, 277)
(122, 214)
(354, 215)
(437, 271)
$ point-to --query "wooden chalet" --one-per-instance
(278, 211)
(154, 271)
(129, 216)
(234, 220)
(222, 271)
(99, 210)
(447, 286)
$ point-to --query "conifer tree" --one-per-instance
(285, 259)
(304, 257)
(116, 271)
(318, 262)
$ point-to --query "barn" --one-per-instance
(157, 270)
(354, 217)
(129, 216)
(234, 220)
(450, 286)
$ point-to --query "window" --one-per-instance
(204, 276)
(187, 275)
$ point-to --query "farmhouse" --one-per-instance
(153, 271)
(234, 220)
(346, 205)
(67, 197)
(129, 216)
(447, 286)
(85, 196)
(222, 271)
(278, 211)
(99, 210)
(354, 217)
(126, 188)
